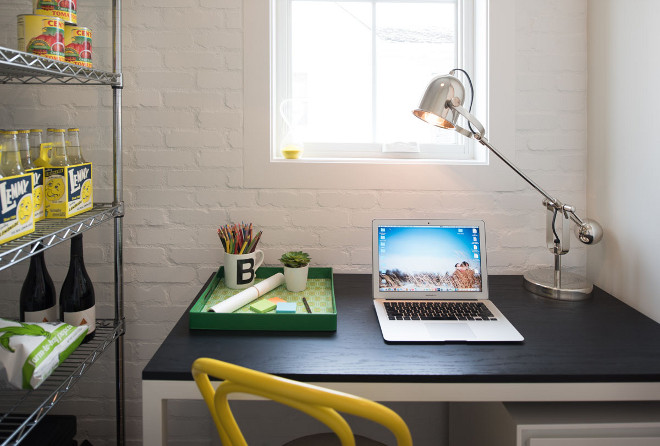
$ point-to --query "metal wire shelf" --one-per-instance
(21, 410)
(17, 67)
(50, 232)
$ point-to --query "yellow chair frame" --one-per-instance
(318, 402)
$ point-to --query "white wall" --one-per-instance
(623, 182)
(184, 170)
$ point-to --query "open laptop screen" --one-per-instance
(427, 257)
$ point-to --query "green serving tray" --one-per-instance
(320, 295)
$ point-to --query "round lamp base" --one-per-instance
(570, 287)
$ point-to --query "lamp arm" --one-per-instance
(479, 135)
(552, 201)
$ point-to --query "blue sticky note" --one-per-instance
(286, 307)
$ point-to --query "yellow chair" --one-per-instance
(320, 403)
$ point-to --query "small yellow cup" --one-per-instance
(292, 152)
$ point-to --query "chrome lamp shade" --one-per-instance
(434, 109)
(442, 106)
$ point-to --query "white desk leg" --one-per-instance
(155, 395)
(154, 415)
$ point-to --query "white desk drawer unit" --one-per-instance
(620, 441)
(555, 424)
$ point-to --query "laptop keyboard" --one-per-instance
(438, 311)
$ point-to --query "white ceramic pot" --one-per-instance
(296, 278)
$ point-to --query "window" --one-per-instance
(348, 73)
(496, 75)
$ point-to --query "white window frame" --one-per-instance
(463, 151)
(260, 171)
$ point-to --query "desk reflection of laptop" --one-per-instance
(430, 283)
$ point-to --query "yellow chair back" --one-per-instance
(318, 402)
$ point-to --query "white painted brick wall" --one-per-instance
(183, 161)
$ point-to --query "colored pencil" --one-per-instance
(238, 239)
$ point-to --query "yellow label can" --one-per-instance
(62, 9)
(41, 35)
(78, 45)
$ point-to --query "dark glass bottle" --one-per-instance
(38, 302)
(77, 302)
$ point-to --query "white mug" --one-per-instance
(241, 269)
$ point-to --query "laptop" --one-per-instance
(430, 283)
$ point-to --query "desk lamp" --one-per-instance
(442, 105)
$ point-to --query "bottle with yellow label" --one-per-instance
(73, 150)
(35, 149)
(23, 140)
(58, 156)
(10, 162)
(37, 174)
(55, 180)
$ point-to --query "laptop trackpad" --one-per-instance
(449, 332)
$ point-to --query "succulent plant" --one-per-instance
(295, 259)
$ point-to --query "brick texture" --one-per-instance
(183, 161)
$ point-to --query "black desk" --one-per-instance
(595, 350)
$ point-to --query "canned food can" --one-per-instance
(62, 9)
(41, 35)
(78, 45)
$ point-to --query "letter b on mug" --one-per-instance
(240, 269)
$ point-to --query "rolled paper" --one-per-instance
(236, 301)
(269, 284)
(246, 296)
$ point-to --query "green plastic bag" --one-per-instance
(29, 352)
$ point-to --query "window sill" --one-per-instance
(376, 174)
(368, 160)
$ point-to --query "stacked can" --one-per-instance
(41, 35)
(62, 9)
(52, 32)
(78, 45)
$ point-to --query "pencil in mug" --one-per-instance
(253, 243)
(237, 239)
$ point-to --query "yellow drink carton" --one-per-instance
(38, 193)
(16, 204)
(68, 190)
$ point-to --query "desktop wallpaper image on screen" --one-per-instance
(428, 258)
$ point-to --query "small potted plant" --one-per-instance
(296, 267)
